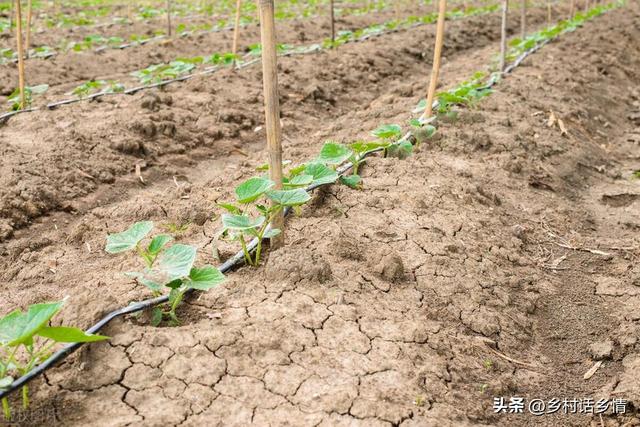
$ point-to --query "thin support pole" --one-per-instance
(333, 21)
(27, 43)
(523, 19)
(272, 107)
(21, 84)
(548, 12)
(572, 9)
(503, 35)
(169, 18)
(236, 30)
(437, 55)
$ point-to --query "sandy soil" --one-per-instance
(492, 263)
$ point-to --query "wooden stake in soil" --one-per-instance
(169, 18)
(572, 9)
(23, 96)
(333, 22)
(272, 106)
(129, 12)
(437, 55)
(27, 43)
(548, 12)
(523, 19)
(236, 30)
(503, 35)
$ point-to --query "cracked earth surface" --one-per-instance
(463, 273)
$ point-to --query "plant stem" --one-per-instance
(263, 230)
(247, 256)
(25, 397)
(6, 409)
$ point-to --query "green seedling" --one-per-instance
(465, 94)
(168, 268)
(14, 99)
(333, 155)
(95, 86)
(251, 216)
(26, 339)
(422, 130)
(161, 72)
(222, 58)
(388, 135)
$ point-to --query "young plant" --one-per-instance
(94, 86)
(160, 72)
(168, 268)
(26, 339)
(14, 98)
(250, 217)
(466, 94)
(222, 58)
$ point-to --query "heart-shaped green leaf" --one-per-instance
(241, 222)
(295, 197)
(352, 181)
(230, 208)
(299, 181)
(321, 173)
(401, 150)
(333, 153)
(205, 278)
(5, 382)
(272, 233)
(157, 243)
(174, 263)
(362, 147)
(252, 189)
(140, 278)
(66, 334)
(18, 328)
(127, 240)
(387, 131)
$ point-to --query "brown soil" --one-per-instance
(497, 261)
(67, 70)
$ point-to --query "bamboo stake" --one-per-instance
(523, 19)
(236, 30)
(11, 13)
(169, 18)
(572, 8)
(23, 100)
(503, 35)
(333, 22)
(437, 55)
(28, 30)
(272, 107)
(129, 12)
(548, 12)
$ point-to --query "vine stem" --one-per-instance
(247, 256)
(25, 397)
(6, 409)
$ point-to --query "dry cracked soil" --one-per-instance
(501, 260)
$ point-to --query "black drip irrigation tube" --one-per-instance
(302, 51)
(228, 265)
